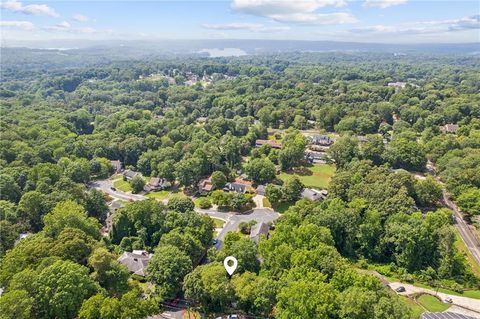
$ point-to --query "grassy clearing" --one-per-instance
(266, 203)
(218, 222)
(282, 207)
(417, 310)
(160, 195)
(314, 176)
(460, 245)
(432, 304)
(122, 185)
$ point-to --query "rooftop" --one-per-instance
(136, 261)
(444, 315)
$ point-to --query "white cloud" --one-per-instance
(33, 9)
(316, 18)
(424, 27)
(384, 3)
(23, 25)
(64, 25)
(254, 27)
(80, 18)
(232, 26)
(300, 11)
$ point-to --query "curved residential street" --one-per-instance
(232, 219)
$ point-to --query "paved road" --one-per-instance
(106, 187)
(466, 233)
(469, 303)
(468, 237)
(232, 219)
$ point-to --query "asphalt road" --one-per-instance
(232, 219)
(466, 233)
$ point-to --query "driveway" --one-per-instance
(465, 302)
(233, 220)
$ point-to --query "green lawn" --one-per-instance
(432, 304)
(122, 185)
(471, 263)
(160, 195)
(416, 309)
(314, 176)
(218, 222)
(266, 203)
(282, 207)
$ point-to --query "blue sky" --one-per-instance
(388, 21)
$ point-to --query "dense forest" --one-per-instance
(183, 119)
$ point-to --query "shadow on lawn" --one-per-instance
(301, 171)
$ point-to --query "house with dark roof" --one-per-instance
(235, 187)
(117, 166)
(136, 261)
(156, 184)
(129, 174)
(323, 140)
(273, 144)
(259, 230)
(205, 185)
(449, 128)
(313, 194)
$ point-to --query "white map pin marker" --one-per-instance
(230, 269)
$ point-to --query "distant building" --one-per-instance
(313, 194)
(22, 236)
(397, 85)
(449, 128)
(202, 119)
(117, 166)
(323, 140)
(235, 187)
(156, 184)
(205, 185)
(136, 261)
(272, 143)
(259, 230)
(362, 138)
(129, 174)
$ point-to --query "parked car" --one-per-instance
(448, 299)
(214, 242)
(400, 289)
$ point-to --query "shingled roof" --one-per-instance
(136, 261)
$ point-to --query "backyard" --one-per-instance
(314, 176)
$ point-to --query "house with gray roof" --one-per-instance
(129, 174)
(235, 187)
(323, 140)
(259, 230)
(313, 194)
(136, 261)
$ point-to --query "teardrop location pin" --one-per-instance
(230, 269)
